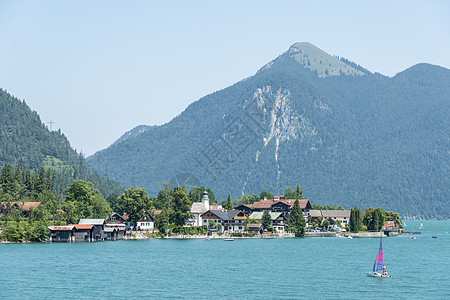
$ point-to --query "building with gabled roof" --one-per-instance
(115, 218)
(99, 226)
(83, 232)
(333, 215)
(62, 233)
(111, 233)
(230, 220)
(277, 205)
(199, 208)
(278, 219)
(147, 222)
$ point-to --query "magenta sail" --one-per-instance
(378, 264)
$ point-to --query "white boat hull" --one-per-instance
(379, 275)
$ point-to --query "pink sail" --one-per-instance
(378, 264)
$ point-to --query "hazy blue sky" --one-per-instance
(100, 68)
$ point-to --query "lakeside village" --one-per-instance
(83, 215)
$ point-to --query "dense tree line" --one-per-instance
(371, 219)
(58, 206)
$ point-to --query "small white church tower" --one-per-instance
(198, 208)
(205, 200)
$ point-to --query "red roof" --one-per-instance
(23, 205)
(82, 226)
(267, 203)
(29, 205)
(389, 224)
(61, 228)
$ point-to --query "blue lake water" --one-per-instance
(315, 268)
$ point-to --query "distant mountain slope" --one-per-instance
(25, 140)
(133, 133)
(346, 135)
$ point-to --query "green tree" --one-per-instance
(246, 199)
(298, 192)
(112, 200)
(265, 194)
(227, 204)
(373, 218)
(163, 199)
(13, 232)
(134, 202)
(181, 206)
(392, 216)
(378, 219)
(7, 180)
(87, 200)
(326, 223)
(355, 220)
(266, 220)
(329, 207)
(296, 221)
(162, 222)
(289, 193)
(196, 194)
(40, 181)
(212, 224)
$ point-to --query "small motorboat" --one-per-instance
(228, 240)
(413, 237)
(208, 238)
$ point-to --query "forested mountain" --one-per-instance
(348, 136)
(26, 141)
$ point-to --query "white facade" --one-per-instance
(198, 208)
(145, 225)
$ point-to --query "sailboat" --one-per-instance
(379, 270)
(434, 234)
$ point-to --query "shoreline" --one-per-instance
(145, 236)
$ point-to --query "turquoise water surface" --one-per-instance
(316, 268)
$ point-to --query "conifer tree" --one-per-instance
(355, 220)
(298, 192)
(227, 204)
(296, 221)
(266, 220)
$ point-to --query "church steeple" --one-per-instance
(205, 200)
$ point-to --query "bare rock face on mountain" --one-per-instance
(346, 135)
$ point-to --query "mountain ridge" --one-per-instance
(25, 140)
(347, 139)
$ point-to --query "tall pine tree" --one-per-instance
(296, 221)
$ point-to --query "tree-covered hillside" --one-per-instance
(26, 141)
(348, 136)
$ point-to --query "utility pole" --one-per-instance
(51, 124)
